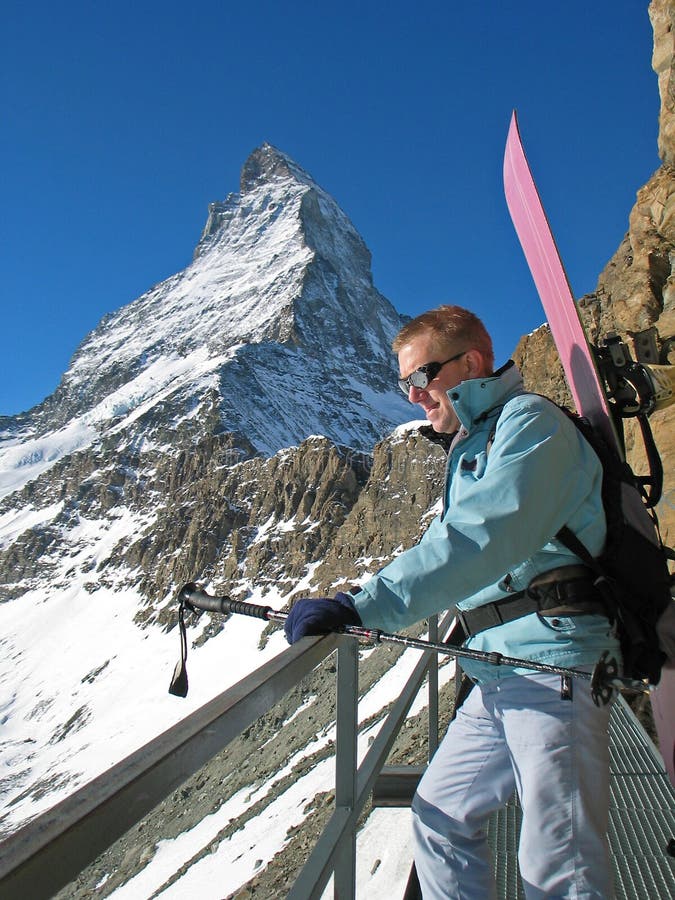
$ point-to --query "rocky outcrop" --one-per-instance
(636, 289)
(662, 15)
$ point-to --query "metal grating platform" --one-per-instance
(641, 819)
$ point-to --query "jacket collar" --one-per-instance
(475, 399)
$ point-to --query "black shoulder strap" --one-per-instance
(652, 484)
(567, 537)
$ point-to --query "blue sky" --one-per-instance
(121, 122)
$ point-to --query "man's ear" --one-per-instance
(475, 364)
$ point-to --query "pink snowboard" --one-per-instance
(554, 290)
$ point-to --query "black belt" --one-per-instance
(570, 597)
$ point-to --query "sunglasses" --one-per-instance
(421, 377)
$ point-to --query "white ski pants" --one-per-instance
(517, 733)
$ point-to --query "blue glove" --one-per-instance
(319, 616)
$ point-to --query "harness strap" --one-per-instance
(576, 596)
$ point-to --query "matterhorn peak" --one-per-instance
(273, 332)
(266, 164)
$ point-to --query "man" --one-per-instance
(518, 470)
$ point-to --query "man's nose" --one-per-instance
(416, 394)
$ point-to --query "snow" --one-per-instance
(233, 864)
(68, 660)
(24, 462)
(383, 855)
(15, 521)
(402, 430)
(237, 859)
(240, 285)
(271, 526)
(88, 656)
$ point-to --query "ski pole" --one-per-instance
(603, 678)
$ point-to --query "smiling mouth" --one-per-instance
(430, 409)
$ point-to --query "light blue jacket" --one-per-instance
(501, 511)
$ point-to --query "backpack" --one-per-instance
(632, 570)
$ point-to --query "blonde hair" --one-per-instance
(452, 325)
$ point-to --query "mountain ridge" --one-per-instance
(277, 316)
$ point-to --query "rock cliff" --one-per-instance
(636, 289)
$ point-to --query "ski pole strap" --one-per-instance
(193, 599)
(179, 680)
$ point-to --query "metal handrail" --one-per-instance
(51, 850)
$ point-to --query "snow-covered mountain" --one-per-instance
(219, 428)
(275, 328)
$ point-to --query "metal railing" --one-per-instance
(50, 851)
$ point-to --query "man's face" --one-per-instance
(422, 350)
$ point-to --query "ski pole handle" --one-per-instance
(193, 596)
